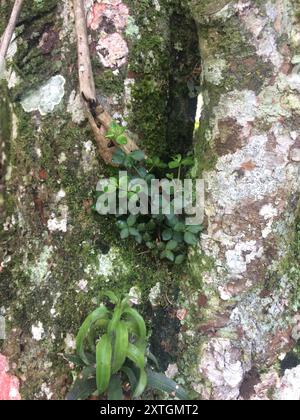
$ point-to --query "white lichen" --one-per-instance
(213, 69)
(75, 108)
(62, 158)
(39, 271)
(239, 105)
(264, 34)
(239, 257)
(289, 389)
(46, 391)
(47, 97)
(135, 295)
(107, 265)
(59, 223)
(222, 365)
(37, 331)
(172, 371)
(88, 158)
(132, 30)
(70, 342)
(155, 294)
(82, 286)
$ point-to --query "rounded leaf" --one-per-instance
(171, 245)
(190, 239)
(167, 234)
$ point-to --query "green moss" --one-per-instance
(33, 64)
(150, 64)
(162, 62)
(108, 83)
(37, 176)
(88, 237)
(5, 14)
(206, 8)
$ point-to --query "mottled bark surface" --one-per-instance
(250, 128)
(222, 323)
(56, 254)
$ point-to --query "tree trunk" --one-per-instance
(248, 151)
(233, 311)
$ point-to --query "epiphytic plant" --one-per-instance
(113, 355)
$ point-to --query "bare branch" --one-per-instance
(99, 119)
(85, 72)
(7, 36)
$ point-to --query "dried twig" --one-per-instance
(7, 36)
(99, 119)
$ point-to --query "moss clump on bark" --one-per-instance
(162, 62)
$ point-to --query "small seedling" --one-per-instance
(167, 236)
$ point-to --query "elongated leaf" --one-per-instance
(139, 321)
(115, 320)
(132, 328)
(120, 346)
(82, 389)
(99, 313)
(136, 355)
(130, 375)
(94, 333)
(89, 372)
(160, 382)
(115, 392)
(103, 363)
(188, 161)
(111, 295)
(142, 383)
(76, 360)
(153, 359)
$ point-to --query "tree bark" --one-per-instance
(233, 311)
(248, 260)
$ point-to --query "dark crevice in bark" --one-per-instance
(184, 81)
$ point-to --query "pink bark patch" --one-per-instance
(112, 50)
(109, 19)
(9, 385)
(115, 13)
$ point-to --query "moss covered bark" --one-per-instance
(56, 254)
(245, 148)
(238, 299)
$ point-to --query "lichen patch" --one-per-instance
(47, 97)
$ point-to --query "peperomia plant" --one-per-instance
(165, 235)
(112, 353)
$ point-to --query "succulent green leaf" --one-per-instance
(103, 363)
(85, 329)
